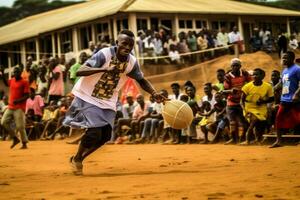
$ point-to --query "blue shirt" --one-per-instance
(290, 82)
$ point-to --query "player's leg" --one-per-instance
(6, 121)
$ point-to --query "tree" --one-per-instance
(25, 8)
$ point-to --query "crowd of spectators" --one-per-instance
(140, 121)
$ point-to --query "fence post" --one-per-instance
(236, 51)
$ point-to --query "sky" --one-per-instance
(9, 3)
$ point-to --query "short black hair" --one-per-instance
(127, 32)
(175, 85)
(291, 55)
(221, 71)
(261, 71)
(276, 72)
(208, 84)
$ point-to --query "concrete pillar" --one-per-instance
(176, 25)
(53, 45)
(240, 26)
(75, 41)
(9, 66)
(58, 45)
(148, 23)
(115, 28)
(93, 33)
(133, 27)
(37, 49)
(23, 53)
(132, 23)
(288, 26)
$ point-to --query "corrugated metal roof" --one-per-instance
(59, 18)
(71, 15)
(207, 7)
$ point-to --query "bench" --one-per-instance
(283, 136)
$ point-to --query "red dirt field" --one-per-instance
(151, 172)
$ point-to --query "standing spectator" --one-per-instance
(192, 44)
(222, 37)
(236, 38)
(256, 95)
(219, 86)
(282, 44)
(42, 83)
(293, 44)
(255, 41)
(36, 103)
(288, 115)
(82, 58)
(158, 45)
(56, 89)
(234, 81)
(18, 95)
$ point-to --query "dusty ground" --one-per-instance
(151, 172)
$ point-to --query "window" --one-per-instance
(141, 24)
(122, 24)
(85, 36)
(65, 41)
(186, 24)
(102, 33)
(30, 49)
(215, 25)
(181, 24)
(45, 45)
(199, 24)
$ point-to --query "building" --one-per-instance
(71, 28)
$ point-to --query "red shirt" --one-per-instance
(17, 89)
(238, 82)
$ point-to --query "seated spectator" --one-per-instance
(49, 120)
(218, 125)
(255, 97)
(151, 127)
(140, 113)
(176, 92)
(36, 103)
(127, 111)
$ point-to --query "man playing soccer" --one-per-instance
(288, 114)
(96, 94)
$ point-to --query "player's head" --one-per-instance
(258, 74)
(275, 76)
(288, 58)
(125, 42)
(221, 75)
(207, 88)
(17, 72)
(236, 65)
(175, 88)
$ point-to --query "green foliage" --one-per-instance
(285, 4)
(25, 8)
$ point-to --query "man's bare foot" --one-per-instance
(275, 145)
(245, 143)
(231, 141)
(15, 142)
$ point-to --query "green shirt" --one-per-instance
(73, 71)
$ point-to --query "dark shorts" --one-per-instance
(234, 113)
(288, 116)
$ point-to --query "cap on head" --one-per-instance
(236, 61)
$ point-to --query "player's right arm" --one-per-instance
(92, 65)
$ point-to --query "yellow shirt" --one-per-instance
(253, 94)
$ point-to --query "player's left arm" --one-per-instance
(296, 97)
(137, 74)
